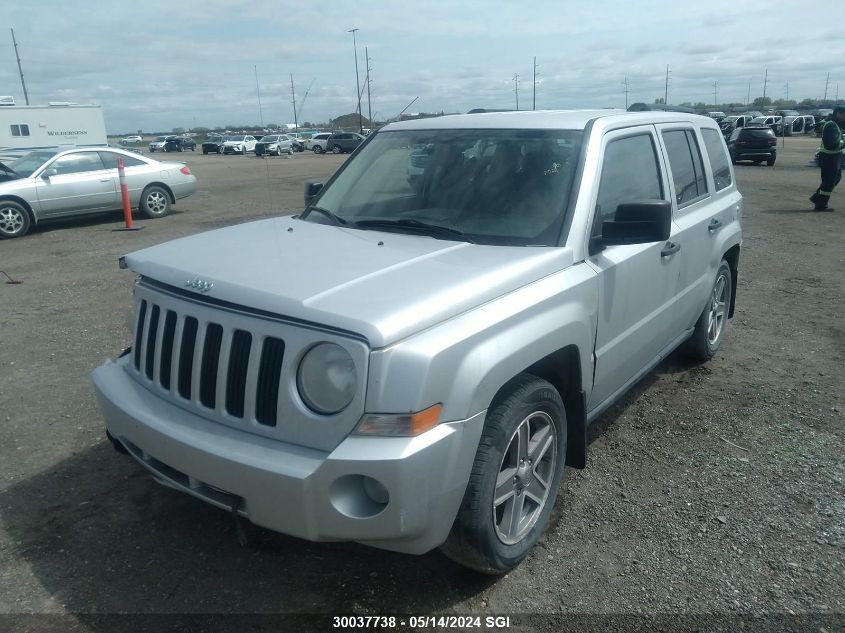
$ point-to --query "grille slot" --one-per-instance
(167, 349)
(210, 361)
(186, 357)
(237, 371)
(152, 334)
(269, 373)
(139, 334)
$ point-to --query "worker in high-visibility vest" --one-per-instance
(830, 158)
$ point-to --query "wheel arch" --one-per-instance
(27, 207)
(163, 186)
(732, 257)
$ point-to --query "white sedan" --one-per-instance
(48, 184)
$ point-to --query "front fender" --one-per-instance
(463, 362)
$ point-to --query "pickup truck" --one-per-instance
(411, 363)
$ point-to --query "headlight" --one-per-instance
(327, 379)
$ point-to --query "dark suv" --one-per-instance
(341, 142)
(179, 144)
(754, 142)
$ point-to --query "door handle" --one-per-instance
(669, 249)
(105, 179)
(714, 224)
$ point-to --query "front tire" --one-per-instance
(14, 220)
(337, 149)
(711, 325)
(155, 202)
(514, 480)
(770, 162)
(318, 149)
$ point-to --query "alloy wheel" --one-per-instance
(11, 220)
(717, 314)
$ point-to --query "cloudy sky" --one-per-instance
(159, 64)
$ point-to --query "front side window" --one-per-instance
(20, 130)
(491, 186)
(630, 173)
(27, 164)
(686, 165)
(715, 145)
(78, 162)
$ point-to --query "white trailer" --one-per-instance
(56, 125)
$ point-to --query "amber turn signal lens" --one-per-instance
(401, 425)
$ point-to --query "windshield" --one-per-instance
(27, 164)
(493, 186)
(235, 138)
(272, 138)
(161, 139)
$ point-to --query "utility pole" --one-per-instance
(516, 88)
(826, 81)
(765, 82)
(20, 70)
(787, 91)
(748, 96)
(626, 92)
(293, 101)
(258, 91)
(357, 80)
(715, 93)
(369, 101)
(666, 90)
(534, 87)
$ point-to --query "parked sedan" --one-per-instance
(49, 184)
(239, 144)
(274, 144)
(341, 142)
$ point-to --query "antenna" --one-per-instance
(406, 107)
(20, 70)
(516, 88)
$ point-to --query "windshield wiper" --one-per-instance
(434, 230)
(339, 221)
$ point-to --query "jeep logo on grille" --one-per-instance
(200, 285)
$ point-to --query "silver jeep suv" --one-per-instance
(413, 361)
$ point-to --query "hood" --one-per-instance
(382, 286)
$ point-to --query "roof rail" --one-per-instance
(660, 107)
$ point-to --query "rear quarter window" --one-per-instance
(715, 146)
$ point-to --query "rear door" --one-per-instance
(81, 184)
(697, 214)
(638, 283)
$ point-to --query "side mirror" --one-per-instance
(312, 188)
(48, 173)
(638, 223)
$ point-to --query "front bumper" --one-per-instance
(292, 489)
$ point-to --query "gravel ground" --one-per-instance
(713, 489)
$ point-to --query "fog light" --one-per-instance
(358, 496)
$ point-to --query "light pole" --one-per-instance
(357, 80)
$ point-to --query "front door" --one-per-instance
(81, 183)
(638, 283)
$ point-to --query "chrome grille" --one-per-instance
(211, 363)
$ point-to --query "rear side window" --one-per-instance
(110, 160)
(758, 133)
(718, 158)
(686, 165)
(20, 130)
(629, 173)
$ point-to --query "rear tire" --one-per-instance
(337, 149)
(204, 150)
(771, 162)
(14, 220)
(318, 149)
(514, 480)
(155, 202)
(711, 325)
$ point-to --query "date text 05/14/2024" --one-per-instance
(421, 621)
